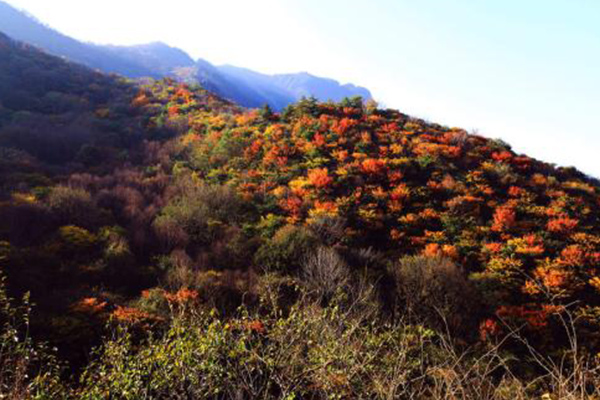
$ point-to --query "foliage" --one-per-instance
(434, 291)
(27, 369)
(337, 243)
(286, 250)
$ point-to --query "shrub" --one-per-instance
(224, 290)
(154, 302)
(277, 293)
(329, 230)
(74, 207)
(178, 268)
(286, 250)
(76, 239)
(196, 213)
(116, 248)
(118, 260)
(324, 273)
(434, 291)
(231, 249)
(312, 353)
(170, 233)
(27, 369)
(504, 218)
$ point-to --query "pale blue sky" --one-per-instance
(526, 71)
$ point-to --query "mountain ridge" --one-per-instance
(158, 59)
(26, 28)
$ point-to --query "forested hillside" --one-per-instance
(56, 112)
(178, 246)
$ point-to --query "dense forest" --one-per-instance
(157, 241)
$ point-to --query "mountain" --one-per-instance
(48, 105)
(283, 89)
(59, 112)
(305, 85)
(245, 87)
(25, 28)
(179, 246)
(157, 57)
(261, 84)
(227, 87)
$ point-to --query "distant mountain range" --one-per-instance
(243, 86)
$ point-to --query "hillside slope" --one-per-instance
(521, 228)
(49, 107)
(60, 115)
(330, 248)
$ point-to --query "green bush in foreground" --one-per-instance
(27, 369)
(314, 352)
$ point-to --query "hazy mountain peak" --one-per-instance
(281, 89)
(158, 59)
(155, 56)
(23, 27)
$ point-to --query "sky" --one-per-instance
(525, 71)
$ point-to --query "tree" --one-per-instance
(266, 113)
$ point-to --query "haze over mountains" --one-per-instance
(245, 87)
